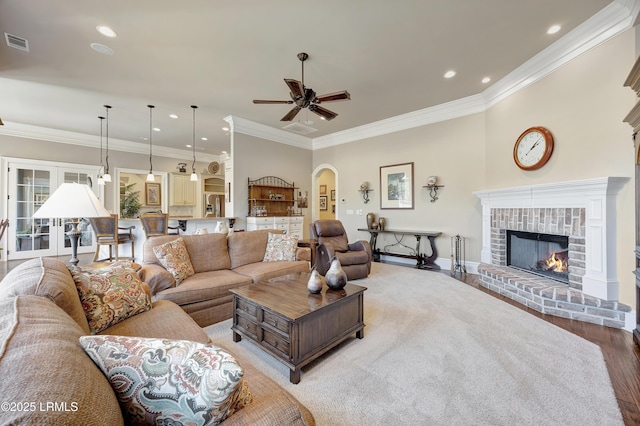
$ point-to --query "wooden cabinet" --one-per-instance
(183, 190)
(271, 196)
(293, 225)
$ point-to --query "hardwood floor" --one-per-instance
(621, 354)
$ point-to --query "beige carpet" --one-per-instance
(439, 352)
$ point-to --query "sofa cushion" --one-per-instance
(280, 247)
(43, 363)
(248, 247)
(110, 295)
(162, 381)
(265, 270)
(156, 277)
(173, 255)
(164, 320)
(208, 252)
(204, 286)
(49, 278)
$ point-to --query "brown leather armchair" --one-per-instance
(355, 258)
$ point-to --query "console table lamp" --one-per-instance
(72, 200)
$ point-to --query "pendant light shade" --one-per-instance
(107, 177)
(100, 176)
(150, 177)
(194, 176)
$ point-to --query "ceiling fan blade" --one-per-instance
(296, 87)
(323, 112)
(261, 101)
(335, 96)
(291, 114)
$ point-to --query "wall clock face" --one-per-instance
(533, 148)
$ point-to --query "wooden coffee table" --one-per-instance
(293, 325)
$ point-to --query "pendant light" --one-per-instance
(194, 176)
(150, 177)
(100, 177)
(107, 176)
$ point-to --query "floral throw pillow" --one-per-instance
(160, 381)
(281, 247)
(175, 259)
(110, 295)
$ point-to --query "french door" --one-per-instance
(30, 184)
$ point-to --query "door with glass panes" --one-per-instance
(29, 187)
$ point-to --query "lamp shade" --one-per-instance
(72, 200)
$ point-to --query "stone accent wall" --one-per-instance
(559, 221)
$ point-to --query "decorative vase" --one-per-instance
(371, 219)
(336, 277)
(221, 228)
(381, 223)
(314, 285)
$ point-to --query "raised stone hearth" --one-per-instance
(552, 297)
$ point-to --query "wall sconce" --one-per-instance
(364, 190)
(182, 167)
(432, 185)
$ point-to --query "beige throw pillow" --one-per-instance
(174, 256)
(281, 247)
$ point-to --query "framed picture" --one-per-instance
(323, 189)
(333, 195)
(152, 194)
(323, 202)
(396, 185)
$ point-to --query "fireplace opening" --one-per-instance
(546, 255)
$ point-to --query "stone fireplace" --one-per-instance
(570, 223)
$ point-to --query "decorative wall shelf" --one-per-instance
(433, 191)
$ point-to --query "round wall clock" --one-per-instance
(213, 167)
(533, 148)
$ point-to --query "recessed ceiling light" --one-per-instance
(173, 116)
(188, 145)
(204, 139)
(224, 152)
(486, 79)
(449, 74)
(101, 48)
(226, 129)
(106, 31)
(156, 129)
(553, 29)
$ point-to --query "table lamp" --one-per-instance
(72, 200)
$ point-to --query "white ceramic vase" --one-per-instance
(221, 228)
(314, 285)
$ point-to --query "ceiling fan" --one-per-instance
(305, 97)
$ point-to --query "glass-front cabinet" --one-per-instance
(29, 187)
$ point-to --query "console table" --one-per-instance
(423, 261)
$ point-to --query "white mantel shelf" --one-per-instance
(597, 196)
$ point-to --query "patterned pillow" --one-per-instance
(110, 295)
(281, 247)
(175, 259)
(160, 381)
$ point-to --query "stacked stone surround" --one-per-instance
(569, 222)
(551, 297)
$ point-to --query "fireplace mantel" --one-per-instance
(596, 196)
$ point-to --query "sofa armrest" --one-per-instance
(156, 277)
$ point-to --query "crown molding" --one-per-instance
(258, 130)
(28, 131)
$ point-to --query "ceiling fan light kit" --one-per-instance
(305, 97)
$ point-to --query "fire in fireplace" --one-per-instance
(541, 254)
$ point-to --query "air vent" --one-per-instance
(299, 128)
(16, 42)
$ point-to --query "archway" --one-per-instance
(325, 194)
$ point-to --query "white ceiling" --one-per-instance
(219, 55)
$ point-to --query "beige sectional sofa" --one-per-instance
(221, 263)
(47, 378)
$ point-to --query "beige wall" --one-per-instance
(583, 105)
(254, 158)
